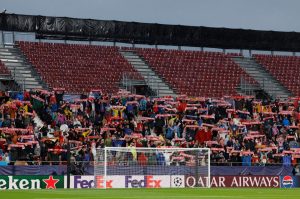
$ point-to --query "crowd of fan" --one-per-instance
(37, 126)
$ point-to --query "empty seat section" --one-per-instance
(78, 68)
(286, 69)
(196, 73)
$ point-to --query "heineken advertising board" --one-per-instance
(31, 182)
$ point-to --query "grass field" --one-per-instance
(152, 193)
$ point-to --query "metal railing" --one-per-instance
(21, 82)
(246, 87)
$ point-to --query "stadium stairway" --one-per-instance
(154, 82)
(21, 70)
(266, 81)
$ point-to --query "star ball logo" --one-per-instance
(287, 182)
(177, 181)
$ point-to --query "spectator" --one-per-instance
(287, 159)
(145, 122)
(246, 160)
(285, 122)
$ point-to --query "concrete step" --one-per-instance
(16, 64)
(144, 70)
(142, 66)
(20, 69)
(162, 93)
(10, 52)
(4, 50)
(31, 83)
(6, 53)
(263, 77)
(11, 60)
(166, 91)
(19, 76)
(33, 87)
(16, 71)
(152, 79)
(26, 75)
(137, 63)
(132, 57)
(161, 87)
(255, 70)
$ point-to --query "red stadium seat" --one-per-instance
(195, 73)
(285, 69)
(78, 67)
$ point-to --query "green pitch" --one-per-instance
(152, 194)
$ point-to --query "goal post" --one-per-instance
(131, 167)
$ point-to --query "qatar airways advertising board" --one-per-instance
(233, 181)
(181, 181)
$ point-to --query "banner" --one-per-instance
(50, 27)
(180, 181)
(87, 182)
(155, 181)
(149, 181)
(289, 181)
(31, 182)
(130, 181)
(234, 181)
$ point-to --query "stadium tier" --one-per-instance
(78, 68)
(208, 114)
(196, 73)
(285, 69)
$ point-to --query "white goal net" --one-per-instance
(132, 167)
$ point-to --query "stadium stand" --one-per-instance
(77, 68)
(285, 69)
(192, 73)
(239, 130)
(204, 103)
(196, 73)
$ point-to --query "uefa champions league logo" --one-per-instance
(178, 181)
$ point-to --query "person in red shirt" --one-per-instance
(181, 106)
(52, 99)
(142, 159)
(138, 143)
(255, 159)
(202, 135)
(26, 95)
(208, 134)
(155, 107)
